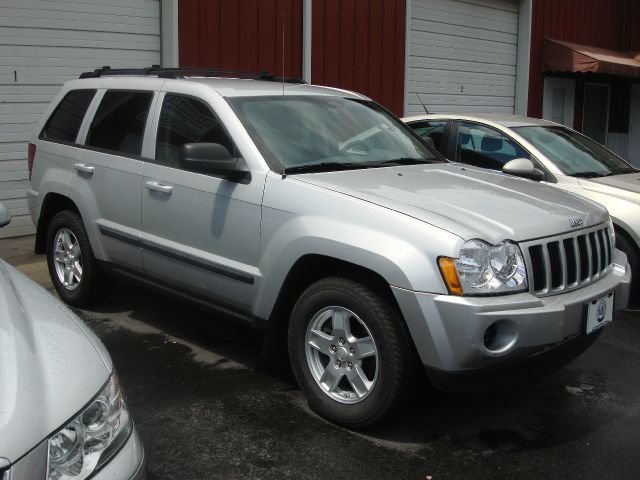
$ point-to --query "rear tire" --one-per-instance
(350, 352)
(626, 246)
(72, 266)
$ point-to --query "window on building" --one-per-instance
(65, 121)
(119, 122)
(485, 147)
(186, 120)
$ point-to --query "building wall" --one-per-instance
(359, 45)
(608, 24)
(45, 43)
(242, 35)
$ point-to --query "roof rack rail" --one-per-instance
(182, 72)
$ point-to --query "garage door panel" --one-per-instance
(461, 31)
(42, 45)
(448, 65)
(453, 88)
(462, 55)
(425, 77)
(89, 54)
(451, 12)
(499, 51)
(101, 7)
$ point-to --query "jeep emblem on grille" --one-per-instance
(575, 222)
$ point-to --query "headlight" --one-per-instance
(92, 437)
(485, 269)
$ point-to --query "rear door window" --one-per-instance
(119, 122)
(64, 123)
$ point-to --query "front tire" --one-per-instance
(72, 266)
(350, 352)
(627, 247)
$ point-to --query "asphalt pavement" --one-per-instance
(207, 407)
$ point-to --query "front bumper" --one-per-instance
(449, 331)
(127, 464)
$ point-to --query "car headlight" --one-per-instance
(90, 439)
(482, 268)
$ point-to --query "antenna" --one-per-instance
(422, 103)
(282, 16)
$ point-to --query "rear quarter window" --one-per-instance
(64, 123)
(119, 122)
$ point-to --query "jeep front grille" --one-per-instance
(567, 262)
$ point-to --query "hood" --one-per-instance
(50, 364)
(467, 201)
(626, 187)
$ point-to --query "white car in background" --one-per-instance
(553, 154)
(63, 415)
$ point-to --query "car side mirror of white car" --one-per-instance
(5, 217)
(523, 167)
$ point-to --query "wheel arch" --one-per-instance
(305, 271)
(52, 204)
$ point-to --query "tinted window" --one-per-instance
(485, 147)
(65, 121)
(430, 129)
(573, 153)
(303, 131)
(186, 120)
(119, 122)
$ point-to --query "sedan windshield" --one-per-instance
(298, 134)
(573, 153)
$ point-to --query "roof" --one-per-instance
(560, 56)
(499, 118)
(235, 87)
(229, 83)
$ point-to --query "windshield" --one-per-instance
(316, 133)
(573, 153)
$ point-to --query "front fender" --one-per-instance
(402, 250)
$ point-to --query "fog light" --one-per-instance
(500, 336)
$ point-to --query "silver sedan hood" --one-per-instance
(467, 201)
(51, 364)
(626, 187)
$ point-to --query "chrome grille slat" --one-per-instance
(568, 261)
(547, 268)
(576, 249)
(563, 265)
(589, 259)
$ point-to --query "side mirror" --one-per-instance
(210, 158)
(523, 167)
(5, 217)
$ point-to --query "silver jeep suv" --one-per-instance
(318, 217)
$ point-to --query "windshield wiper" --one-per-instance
(324, 167)
(402, 161)
(620, 171)
(587, 174)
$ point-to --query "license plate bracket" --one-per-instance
(599, 313)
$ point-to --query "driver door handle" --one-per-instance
(158, 187)
(84, 168)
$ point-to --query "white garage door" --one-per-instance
(462, 56)
(46, 42)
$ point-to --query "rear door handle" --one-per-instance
(84, 168)
(158, 187)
